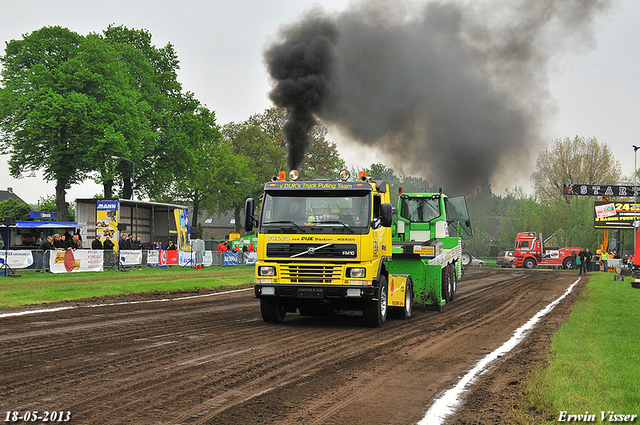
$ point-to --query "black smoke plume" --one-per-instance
(453, 92)
(301, 67)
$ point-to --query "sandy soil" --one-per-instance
(212, 360)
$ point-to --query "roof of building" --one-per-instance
(9, 194)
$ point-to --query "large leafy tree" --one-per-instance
(163, 149)
(65, 99)
(577, 160)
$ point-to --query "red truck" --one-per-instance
(529, 252)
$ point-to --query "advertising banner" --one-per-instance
(615, 215)
(17, 259)
(130, 257)
(80, 260)
(207, 258)
(107, 218)
(153, 258)
(186, 258)
(168, 257)
(250, 258)
(230, 259)
(600, 190)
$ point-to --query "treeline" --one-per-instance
(108, 107)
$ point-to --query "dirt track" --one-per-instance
(213, 360)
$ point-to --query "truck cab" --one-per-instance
(321, 246)
(427, 241)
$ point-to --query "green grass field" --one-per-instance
(39, 288)
(594, 364)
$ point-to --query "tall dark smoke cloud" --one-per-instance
(454, 92)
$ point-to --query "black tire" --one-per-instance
(375, 312)
(454, 282)
(446, 284)
(529, 263)
(567, 263)
(272, 310)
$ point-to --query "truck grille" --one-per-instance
(310, 273)
(312, 251)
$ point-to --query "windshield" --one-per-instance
(316, 212)
(420, 210)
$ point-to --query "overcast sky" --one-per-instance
(220, 46)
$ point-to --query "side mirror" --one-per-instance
(249, 206)
(386, 212)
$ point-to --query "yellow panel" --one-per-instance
(397, 286)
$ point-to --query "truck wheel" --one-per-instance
(454, 283)
(407, 310)
(375, 312)
(446, 284)
(529, 263)
(272, 310)
(465, 257)
(567, 263)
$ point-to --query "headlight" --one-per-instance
(357, 272)
(267, 271)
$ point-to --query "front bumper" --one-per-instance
(319, 293)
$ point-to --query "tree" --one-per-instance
(14, 208)
(48, 204)
(64, 99)
(322, 160)
(523, 214)
(162, 148)
(257, 159)
(577, 160)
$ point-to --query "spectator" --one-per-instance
(139, 244)
(605, 261)
(43, 253)
(58, 243)
(587, 258)
(108, 244)
(251, 247)
(97, 243)
(171, 246)
(75, 243)
(222, 247)
(582, 264)
(124, 243)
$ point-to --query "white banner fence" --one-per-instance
(84, 260)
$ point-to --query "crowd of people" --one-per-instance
(585, 261)
(227, 246)
(62, 242)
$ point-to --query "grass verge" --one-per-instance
(594, 363)
(40, 288)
